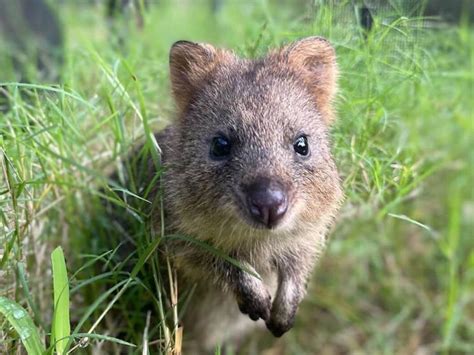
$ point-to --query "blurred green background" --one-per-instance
(398, 276)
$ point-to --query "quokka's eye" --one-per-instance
(301, 146)
(220, 148)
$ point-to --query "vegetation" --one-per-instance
(398, 276)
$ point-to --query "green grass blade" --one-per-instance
(103, 337)
(23, 324)
(26, 291)
(96, 304)
(213, 251)
(61, 325)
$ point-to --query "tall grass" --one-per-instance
(399, 273)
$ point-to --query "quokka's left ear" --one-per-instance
(315, 59)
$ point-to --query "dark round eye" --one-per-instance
(220, 147)
(301, 146)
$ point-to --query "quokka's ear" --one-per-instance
(315, 59)
(190, 64)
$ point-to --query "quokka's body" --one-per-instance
(248, 170)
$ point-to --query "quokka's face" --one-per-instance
(253, 141)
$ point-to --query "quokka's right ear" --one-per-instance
(190, 65)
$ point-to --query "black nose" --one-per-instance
(267, 201)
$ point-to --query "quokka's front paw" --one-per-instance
(280, 322)
(256, 303)
(279, 327)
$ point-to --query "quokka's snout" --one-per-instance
(266, 200)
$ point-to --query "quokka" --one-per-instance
(247, 169)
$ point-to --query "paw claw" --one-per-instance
(276, 330)
(256, 307)
(278, 326)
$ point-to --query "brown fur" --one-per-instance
(262, 105)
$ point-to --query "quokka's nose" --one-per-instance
(267, 201)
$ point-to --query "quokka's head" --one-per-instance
(251, 148)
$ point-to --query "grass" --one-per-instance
(398, 276)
